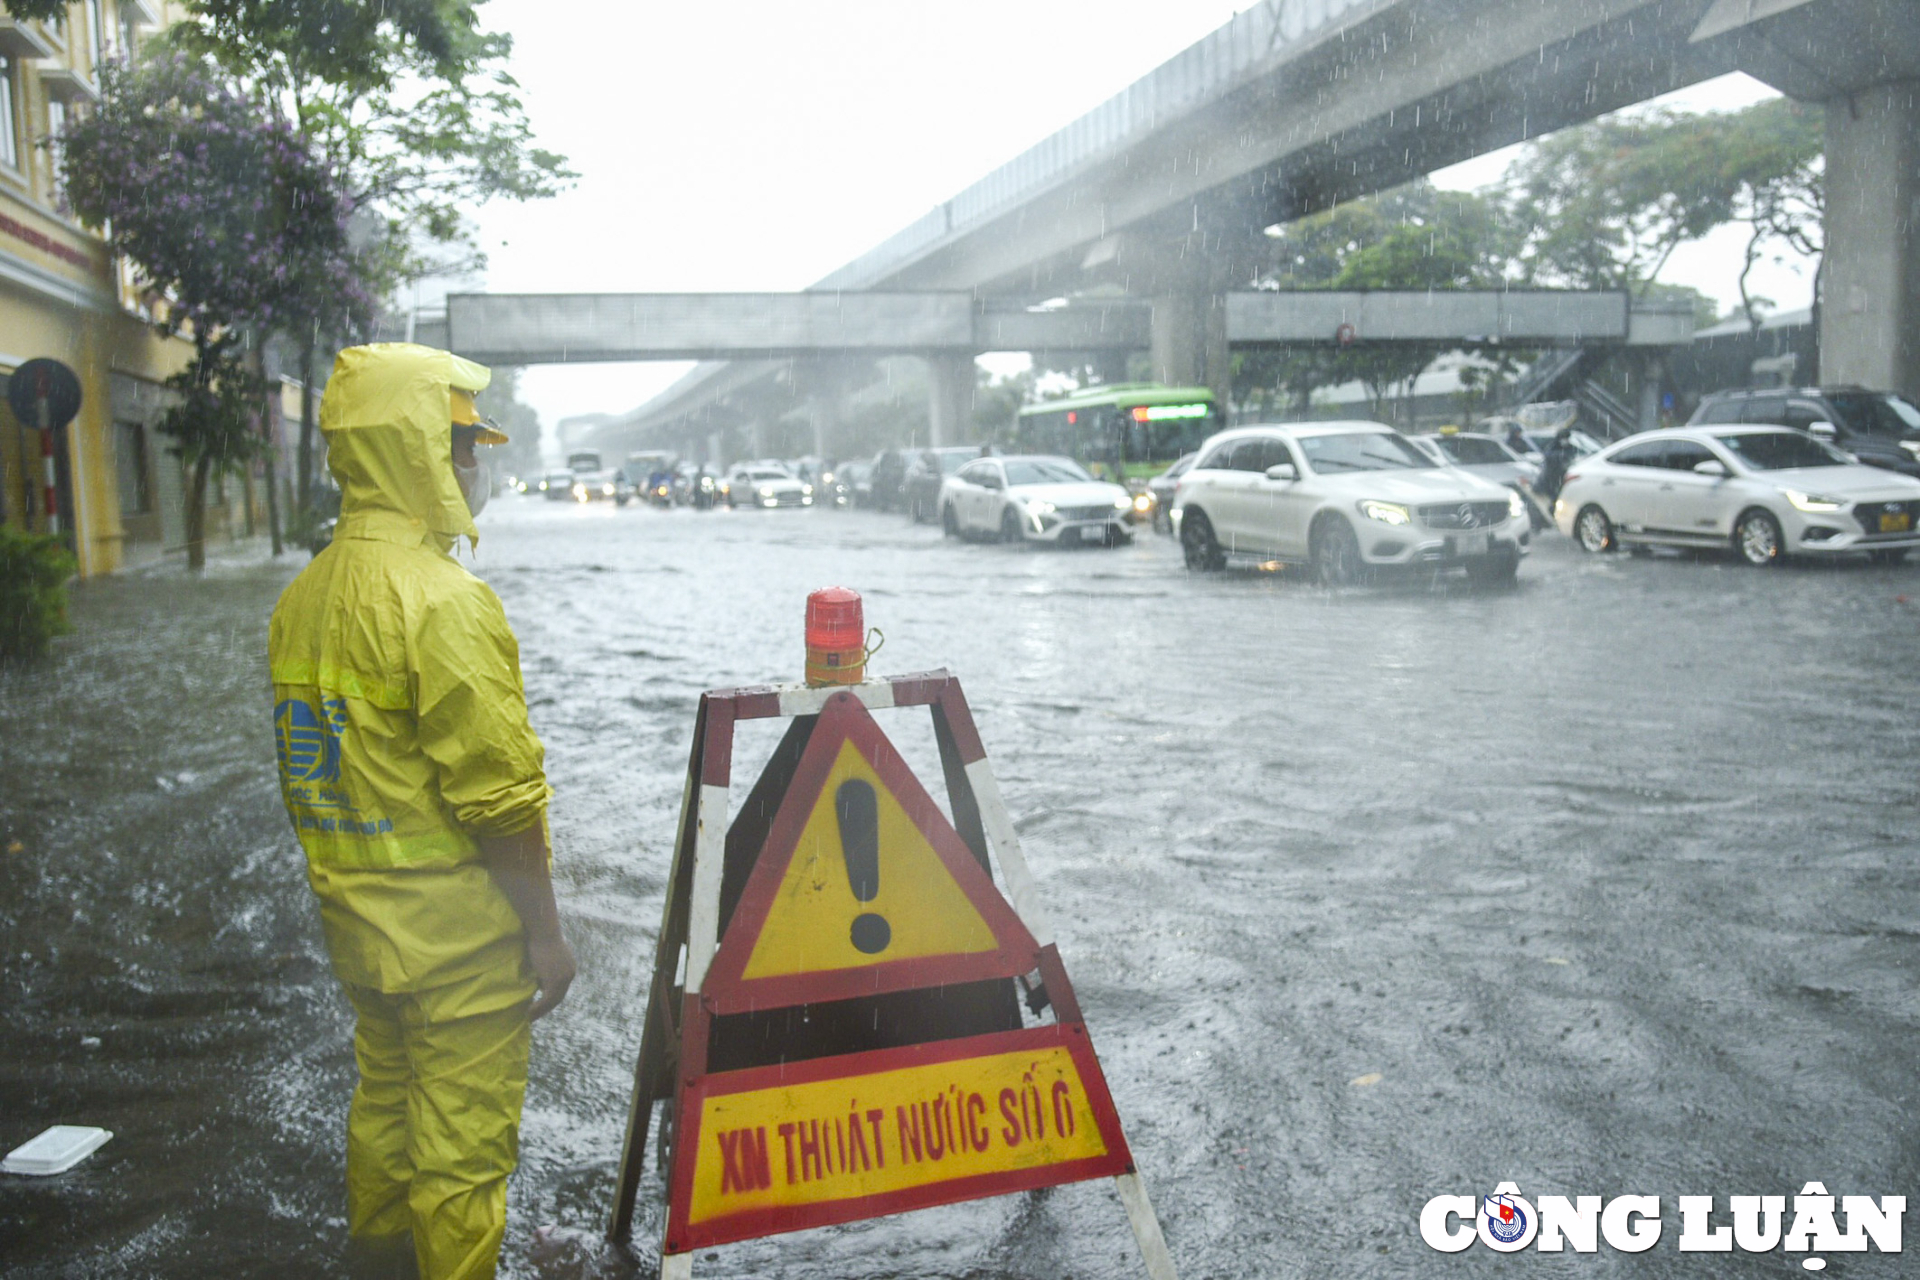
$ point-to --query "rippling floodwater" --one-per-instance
(1609, 879)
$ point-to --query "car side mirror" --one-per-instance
(1282, 471)
(1711, 467)
(1822, 430)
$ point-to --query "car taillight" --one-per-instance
(1571, 477)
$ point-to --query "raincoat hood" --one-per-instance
(387, 423)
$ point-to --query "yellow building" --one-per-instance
(63, 295)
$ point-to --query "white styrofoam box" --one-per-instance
(56, 1150)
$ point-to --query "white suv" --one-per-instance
(1343, 496)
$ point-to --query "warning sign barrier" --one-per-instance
(837, 1139)
(847, 1018)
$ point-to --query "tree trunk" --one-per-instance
(197, 515)
(271, 441)
(273, 481)
(305, 482)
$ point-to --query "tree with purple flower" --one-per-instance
(237, 224)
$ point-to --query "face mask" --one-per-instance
(476, 485)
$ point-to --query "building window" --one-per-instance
(97, 28)
(56, 128)
(9, 134)
(131, 469)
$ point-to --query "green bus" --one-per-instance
(1125, 430)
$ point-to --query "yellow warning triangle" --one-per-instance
(862, 885)
(817, 922)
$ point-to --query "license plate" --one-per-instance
(1470, 544)
(1896, 524)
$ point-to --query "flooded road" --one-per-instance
(1602, 885)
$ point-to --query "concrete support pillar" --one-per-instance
(1111, 365)
(759, 438)
(1870, 291)
(823, 415)
(716, 451)
(1653, 385)
(950, 399)
(1190, 342)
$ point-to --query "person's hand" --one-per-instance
(553, 969)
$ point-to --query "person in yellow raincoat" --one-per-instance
(416, 787)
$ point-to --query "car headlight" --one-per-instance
(1039, 507)
(1386, 512)
(806, 488)
(1143, 502)
(606, 491)
(1123, 503)
(1516, 507)
(766, 491)
(1813, 501)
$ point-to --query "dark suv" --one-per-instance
(1878, 427)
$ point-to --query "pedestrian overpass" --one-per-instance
(1161, 193)
(521, 329)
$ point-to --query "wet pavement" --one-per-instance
(1604, 885)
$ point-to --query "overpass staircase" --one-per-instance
(1568, 373)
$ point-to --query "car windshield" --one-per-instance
(1876, 415)
(1362, 451)
(768, 473)
(1779, 450)
(1044, 471)
(1474, 450)
(952, 460)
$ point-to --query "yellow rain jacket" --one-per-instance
(399, 717)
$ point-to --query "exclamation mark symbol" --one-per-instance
(858, 809)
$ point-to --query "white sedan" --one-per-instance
(765, 484)
(1033, 499)
(1767, 492)
(1345, 497)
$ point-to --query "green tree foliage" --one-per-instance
(1414, 237)
(49, 11)
(408, 99)
(411, 103)
(228, 214)
(1600, 206)
(34, 569)
(341, 42)
(501, 402)
(1778, 150)
(1605, 205)
(213, 422)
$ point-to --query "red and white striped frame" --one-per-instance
(702, 840)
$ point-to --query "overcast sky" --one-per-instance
(750, 145)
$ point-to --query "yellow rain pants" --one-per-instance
(433, 1131)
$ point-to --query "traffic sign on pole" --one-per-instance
(860, 1024)
(44, 394)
